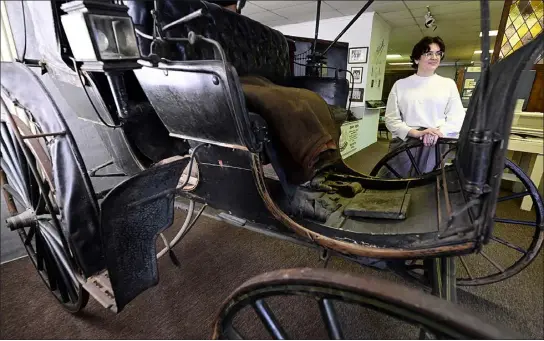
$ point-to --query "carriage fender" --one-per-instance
(132, 216)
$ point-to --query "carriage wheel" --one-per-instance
(409, 152)
(327, 293)
(522, 246)
(489, 266)
(26, 178)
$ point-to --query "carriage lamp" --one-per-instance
(101, 35)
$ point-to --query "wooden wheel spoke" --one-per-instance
(495, 264)
(413, 160)
(392, 170)
(514, 221)
(63, 290)
(508, 244)
(14, 194)
(39, 253)
(13, 178)
(16, 146)
(269, 320)
(513, 196)
(66, 287)
(50, 269)
(30, 235)
(9, 151)
(466, 267)
(328, 314)
(40, 205)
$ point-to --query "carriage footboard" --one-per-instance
(132, 216)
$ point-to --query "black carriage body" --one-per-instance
(177, 105)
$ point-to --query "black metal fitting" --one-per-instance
(475, 165)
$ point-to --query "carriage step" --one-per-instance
(99, 287)
(24, 219)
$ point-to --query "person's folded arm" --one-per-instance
(455, 114)
(393, 118)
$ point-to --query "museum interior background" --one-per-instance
(382, 40)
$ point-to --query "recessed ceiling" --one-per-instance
(458, 22)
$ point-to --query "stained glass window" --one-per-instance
(525, 21)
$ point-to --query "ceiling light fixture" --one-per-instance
(491, 33)
(480, 51)
(393, 56)
(400, 63)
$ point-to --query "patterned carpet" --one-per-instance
(215, 259)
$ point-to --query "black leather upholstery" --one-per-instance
(251, 47)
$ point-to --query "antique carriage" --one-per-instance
(171, 112)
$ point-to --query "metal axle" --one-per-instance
(24, 219)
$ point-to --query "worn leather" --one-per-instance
(74, 190)
(251, 47)
(333, 91)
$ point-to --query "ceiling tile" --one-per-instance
(445, 8)
(308, 8)
(265, 16)
(250, 8)
(345, 4)
(388, 6)
(272, 5)
(404, 14)
(402, 23)
(422, 4)
(306, 16)
(276, 23)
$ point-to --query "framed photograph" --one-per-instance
(358, 55)
(358, 94)
(467, 92)
(357, 75)
(470, 83)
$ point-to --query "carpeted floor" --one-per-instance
(215, 259)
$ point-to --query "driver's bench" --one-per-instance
(252, 49)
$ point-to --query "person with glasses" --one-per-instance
(424, 106)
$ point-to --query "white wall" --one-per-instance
(358, 35)
(371, 31)
(377, 58)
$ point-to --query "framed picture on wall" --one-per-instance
(358, 94)
(357, 75)
(358, 55)
(467, 92)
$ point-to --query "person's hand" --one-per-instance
(429, 139)
(419, 134)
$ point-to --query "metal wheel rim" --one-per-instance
(537, 238)
(536, 242)
(52, 262)
(413, 306)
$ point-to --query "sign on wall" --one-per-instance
(349, 139)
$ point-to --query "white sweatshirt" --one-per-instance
(424, 102)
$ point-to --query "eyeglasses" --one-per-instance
(438, 54)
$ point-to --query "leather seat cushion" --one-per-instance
(251, 47)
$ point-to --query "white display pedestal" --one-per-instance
(356, 135)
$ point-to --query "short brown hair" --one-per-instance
(424, 46)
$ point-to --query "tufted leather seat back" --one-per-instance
(251, 47)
